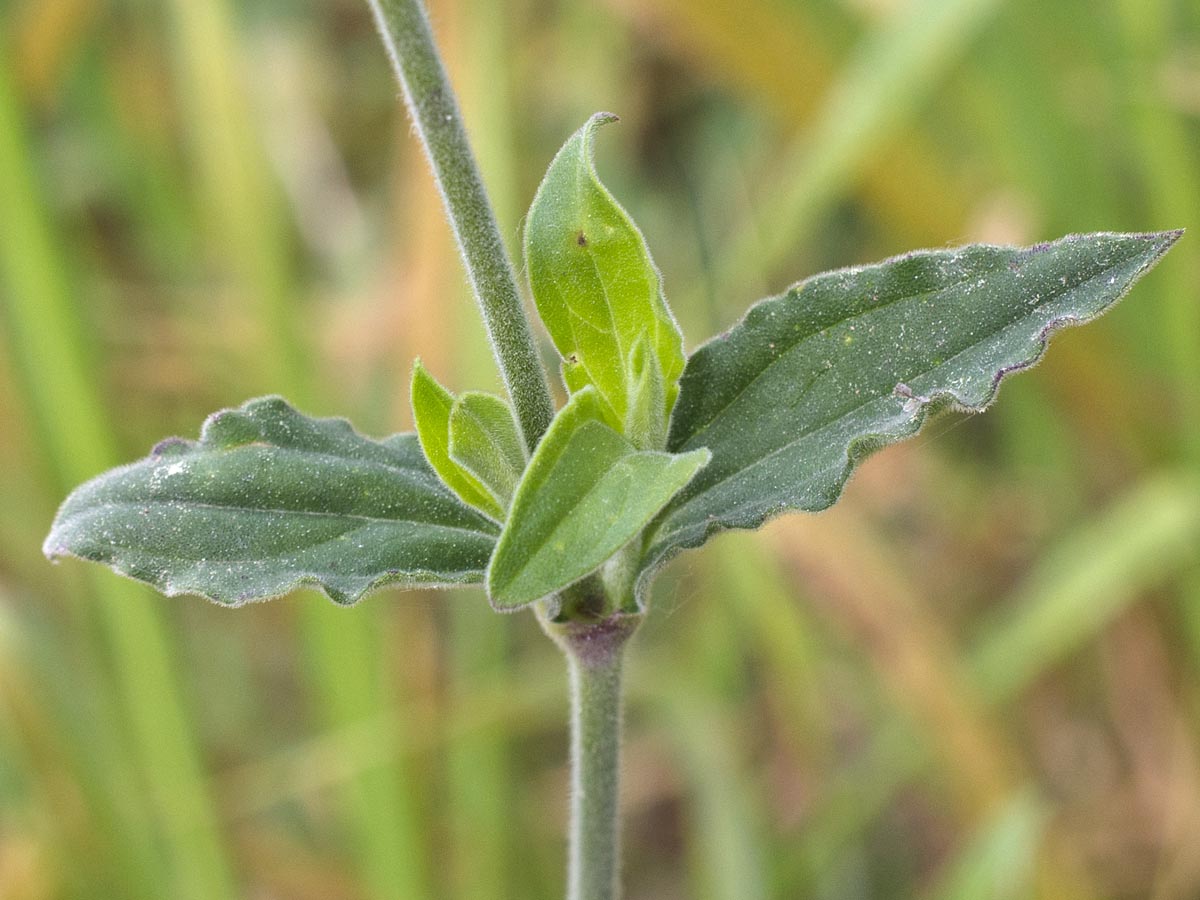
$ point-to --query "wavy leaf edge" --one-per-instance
(922, 407)
(55, 550)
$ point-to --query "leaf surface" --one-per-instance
(810, 382)
(596, 288)
(645, 420)
(431, 406)
(268, 500)
(485, 442)
(586, 493)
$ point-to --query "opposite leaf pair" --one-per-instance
(587, 492)
(600, 474)
(653, 453)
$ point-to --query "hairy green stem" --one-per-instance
(595, 652)
(595, 771)
(406, 33)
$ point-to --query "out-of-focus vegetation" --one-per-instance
(978, 676)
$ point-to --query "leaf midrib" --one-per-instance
(263, 510)
(413, 475)
(800, 339)
(584, 170)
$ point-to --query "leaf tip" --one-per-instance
(51, 550)
(587, 134)
(1167, 239)
(602, 118)
(693, 461)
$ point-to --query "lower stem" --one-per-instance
(595, 777)
(595, 652)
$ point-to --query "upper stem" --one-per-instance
(405, 30)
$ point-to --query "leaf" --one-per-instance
(268, 500)
(586, 493)
(484, 442)
(596, 288)
(431, 406)
(810, 382)
(645, 421)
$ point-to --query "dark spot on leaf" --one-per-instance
(572, 359)
(581, 239)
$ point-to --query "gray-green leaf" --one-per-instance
(586, 493)
(485, 442)
(268, 500)
(596, 288)
(810, 382)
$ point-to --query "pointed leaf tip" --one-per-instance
(594, 283)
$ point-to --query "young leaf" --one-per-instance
(596, 288)
(431, 406)
(586, 493)
(268, 500)
(485, 442)
(810, 382)
(645, 420)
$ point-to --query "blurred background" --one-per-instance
(976, 677)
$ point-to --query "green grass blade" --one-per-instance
(1078, 588)
(45, 340)
(1166, 151)
(723, 821)
(237, 188)
(245, 210)
(998, 862)
(885, 81)
(1086, 580)
(48, 727)
(348, 676)
(478, 765)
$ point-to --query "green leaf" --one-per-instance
(596, 288)
(484, 441)
(269, 499)
(645, 420)
(431, 406)
(808, 383)
(586, 493)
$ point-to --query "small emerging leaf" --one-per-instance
(645, 420)
(485, 442)
(808, 383)
(431, 406)
(586, 493)
(596, 288)
(268, 500)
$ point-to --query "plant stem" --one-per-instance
(595, 771)
(405, 30)
(595, 652)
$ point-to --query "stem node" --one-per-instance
(595, 655)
